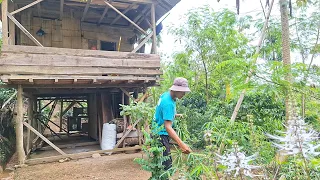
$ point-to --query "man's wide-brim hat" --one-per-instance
(180, 84)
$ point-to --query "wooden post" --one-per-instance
(30, 120)
(103, 109)
(98, 117)
(40, 112)
(19, 127)
(124, 119)
(5, 31)
(12, 35)
(153, 21)
(61, 115)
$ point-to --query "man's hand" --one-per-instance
(179, 115)
(185, 149)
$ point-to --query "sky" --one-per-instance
(247, 7)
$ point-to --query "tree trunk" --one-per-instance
(286, 50)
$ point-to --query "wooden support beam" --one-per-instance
(24, 30)
(124, 119)
(61, 115)
(127, 93)
(54, 124)
(104, 13)
(154, 36)
(124, 12)
(125, 17)
(142, 43)
(8, 100)
(19, 127)
(26, 7)
(163, 5)
(5, 28)
(86, 10)
(12, 27)
(79, 155)
(126, 134)
(30, 120)
(39, 10)
(149, 23)
(44, 138)
(140, 1)
(80, 103)
(69, 107)
(144, 16)
(61, 9)
(99, 114)
(136, 19)
(47, 105)
(52, 109)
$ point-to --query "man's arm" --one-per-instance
(168, 125)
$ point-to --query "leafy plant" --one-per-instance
(154, 149)
(138, 111)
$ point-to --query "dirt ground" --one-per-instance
(117, 167)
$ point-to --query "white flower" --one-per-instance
(299, 138)
(237, 162)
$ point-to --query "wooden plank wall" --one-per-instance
(71, 33)
(93, 119)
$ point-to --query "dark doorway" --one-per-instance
(108, 46)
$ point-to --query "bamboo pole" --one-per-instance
(236, 109)
(19, 127)
(154, 36)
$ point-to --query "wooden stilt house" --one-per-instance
(66, 52)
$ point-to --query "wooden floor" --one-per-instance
(70, 145)
(31, 65)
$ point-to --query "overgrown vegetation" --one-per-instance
(7, 132)
(216, 60)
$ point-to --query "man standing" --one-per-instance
(165, 114)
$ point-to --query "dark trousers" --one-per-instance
(165, 142)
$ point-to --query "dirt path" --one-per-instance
(114, 167)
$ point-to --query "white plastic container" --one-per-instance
(109, 136)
